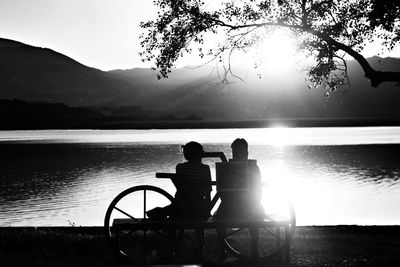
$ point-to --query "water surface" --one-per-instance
(331, 175)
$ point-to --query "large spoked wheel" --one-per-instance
(142, 246)
(262, 242)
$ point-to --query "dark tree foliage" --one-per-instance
(325, 30)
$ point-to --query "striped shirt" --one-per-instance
(193, 185)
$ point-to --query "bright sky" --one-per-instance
(98, 33)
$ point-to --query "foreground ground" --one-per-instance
(312, 246)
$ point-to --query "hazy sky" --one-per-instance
(98, 33)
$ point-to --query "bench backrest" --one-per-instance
(233, 175)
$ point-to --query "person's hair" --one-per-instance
(239, 148)
(239, 144)
(192, 150)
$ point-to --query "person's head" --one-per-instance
(192, 151)
(239, 149)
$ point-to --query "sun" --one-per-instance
(276, 52)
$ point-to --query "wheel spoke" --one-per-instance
(269, 231)
(135, 244)
(125, 213)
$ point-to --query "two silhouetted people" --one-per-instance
(193, 184)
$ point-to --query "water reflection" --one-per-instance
(337, 184)
(51, 184)
(75, 179)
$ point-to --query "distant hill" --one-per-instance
(38, 74)
(196, 91)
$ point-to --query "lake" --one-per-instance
(68, 177)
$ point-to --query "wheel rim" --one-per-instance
(238, 241)
(133, 203)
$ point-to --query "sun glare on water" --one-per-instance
(278, 136)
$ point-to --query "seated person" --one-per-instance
(193, 183)
(242, 203)
(192, 198)
(193, 187)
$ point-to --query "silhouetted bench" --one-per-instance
(145, 240)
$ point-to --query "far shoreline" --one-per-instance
(200, 124)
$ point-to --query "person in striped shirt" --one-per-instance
(192, 198)
(193, 184)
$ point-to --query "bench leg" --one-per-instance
(286, 246)
(254, 236)
(117, 238)
(278, 243)
(283, 244)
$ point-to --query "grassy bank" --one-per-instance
(312, 246)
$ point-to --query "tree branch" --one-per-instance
(375, 77)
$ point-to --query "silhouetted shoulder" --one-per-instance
(192, 167)
(194, 175)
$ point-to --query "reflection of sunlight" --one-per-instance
(276, 136)
(279, 136)
(282, 187)
(322, 195)
(276, 190)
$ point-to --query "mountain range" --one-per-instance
(41, 75)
